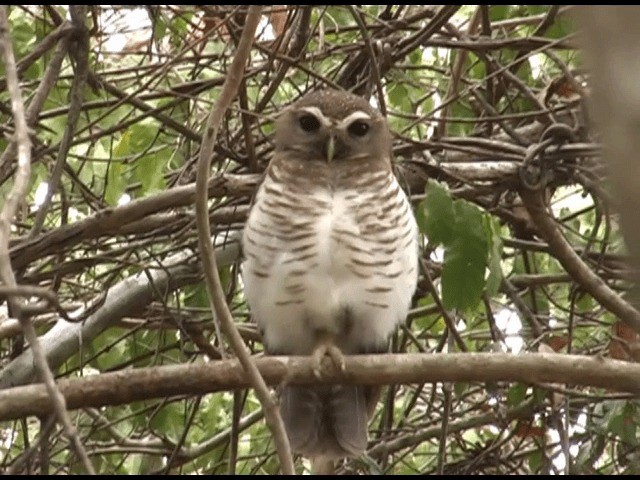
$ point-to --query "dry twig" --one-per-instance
(216, 294)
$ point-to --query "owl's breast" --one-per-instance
(342, 261)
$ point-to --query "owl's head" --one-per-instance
(333, 126)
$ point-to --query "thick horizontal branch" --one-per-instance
(127, 386)
(144, 215)
(482, 164)
(65, 338)
(113, 219)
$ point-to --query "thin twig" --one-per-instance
(216, 294)
(375, 77)
(444, 425)
(45, 86)
(15, 197)
(80, 52)
(46, 426)
(456, 73)
(446, 418)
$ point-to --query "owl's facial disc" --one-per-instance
(335, 138)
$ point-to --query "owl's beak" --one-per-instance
(331, 147)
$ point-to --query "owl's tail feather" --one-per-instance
(326, 421)
(323, 466)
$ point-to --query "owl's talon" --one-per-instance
(316, 360)
(338, 358)
(330, 350)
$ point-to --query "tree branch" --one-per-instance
(411, 439)
(66, 338)
(112, 220)
(45, 86)
(131, 385)
(560, 248)
(610, 47)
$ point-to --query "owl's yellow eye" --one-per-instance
(358, 128)
(309, 123)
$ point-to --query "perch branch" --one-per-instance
(126, 386)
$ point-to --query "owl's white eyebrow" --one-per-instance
(359, 115)
(316, 112)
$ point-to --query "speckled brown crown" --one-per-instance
(337, 103)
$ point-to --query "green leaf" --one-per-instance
(623, 425)
(150, 173)
(535, 461)
(142, 135)
(465, 259)
(466, 233)
(494, 279)
(159, 28)
(179, 28)
(478, 69)
(458, 109)
(122, 147)
(397, 94)
(111, 356)
(23, 33)
(499, 12)
(585, 303)
(459, 388)
(116, 183)
(415, 57)
(525, 73)
(170, 420)
(339, 15)
(562, 27)
(196, 296)
(516, 394)
(539, 395)
(463, 275)
(438, 326)
(435, 215)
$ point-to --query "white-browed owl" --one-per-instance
(331, 259)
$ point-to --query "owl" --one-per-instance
(330, 259)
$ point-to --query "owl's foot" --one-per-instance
(328, 348)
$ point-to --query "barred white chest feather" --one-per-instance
(321, 258)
